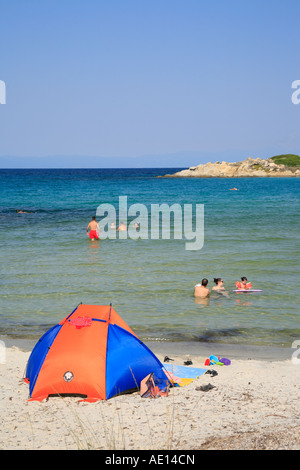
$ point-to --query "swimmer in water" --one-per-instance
(94, 229)
(219, 284)
(201, 290)
(121, 227)
(244, 284)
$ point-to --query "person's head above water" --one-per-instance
(243, 279)
(204, 282)
(217, 280)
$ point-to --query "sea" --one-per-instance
(49, 265)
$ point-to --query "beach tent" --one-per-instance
(91, 353)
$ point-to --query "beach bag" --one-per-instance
(154, 387)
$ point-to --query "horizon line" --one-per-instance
(94, 168)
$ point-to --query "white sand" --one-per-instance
(255, 404)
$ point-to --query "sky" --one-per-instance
(147, 83)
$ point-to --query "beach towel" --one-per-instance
(182, 375)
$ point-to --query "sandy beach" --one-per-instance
(254, 404)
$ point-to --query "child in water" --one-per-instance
(244, 284)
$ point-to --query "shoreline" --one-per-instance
(189, 348)
(253, 404)
(231, 351)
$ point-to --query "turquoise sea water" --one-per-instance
(49, 265)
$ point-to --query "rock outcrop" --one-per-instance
(247, 168)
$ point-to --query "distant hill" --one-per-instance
(287, 160)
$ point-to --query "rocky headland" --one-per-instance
(250, 167)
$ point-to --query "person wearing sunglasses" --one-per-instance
(219, 284)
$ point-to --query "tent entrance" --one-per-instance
(66, 395)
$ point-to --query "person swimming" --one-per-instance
(19, 211)
(122, 227)
(201, 290)
(244, 284)
(219, 284)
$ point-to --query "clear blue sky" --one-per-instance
(147, 82)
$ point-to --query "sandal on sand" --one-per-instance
(205, 388)
(211, 372)
(187, 363)
(167, 359)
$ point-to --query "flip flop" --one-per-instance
(211, 372)
(205, 388)
(187, 363)
(167, 359)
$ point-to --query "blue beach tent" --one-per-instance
(91, 353)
